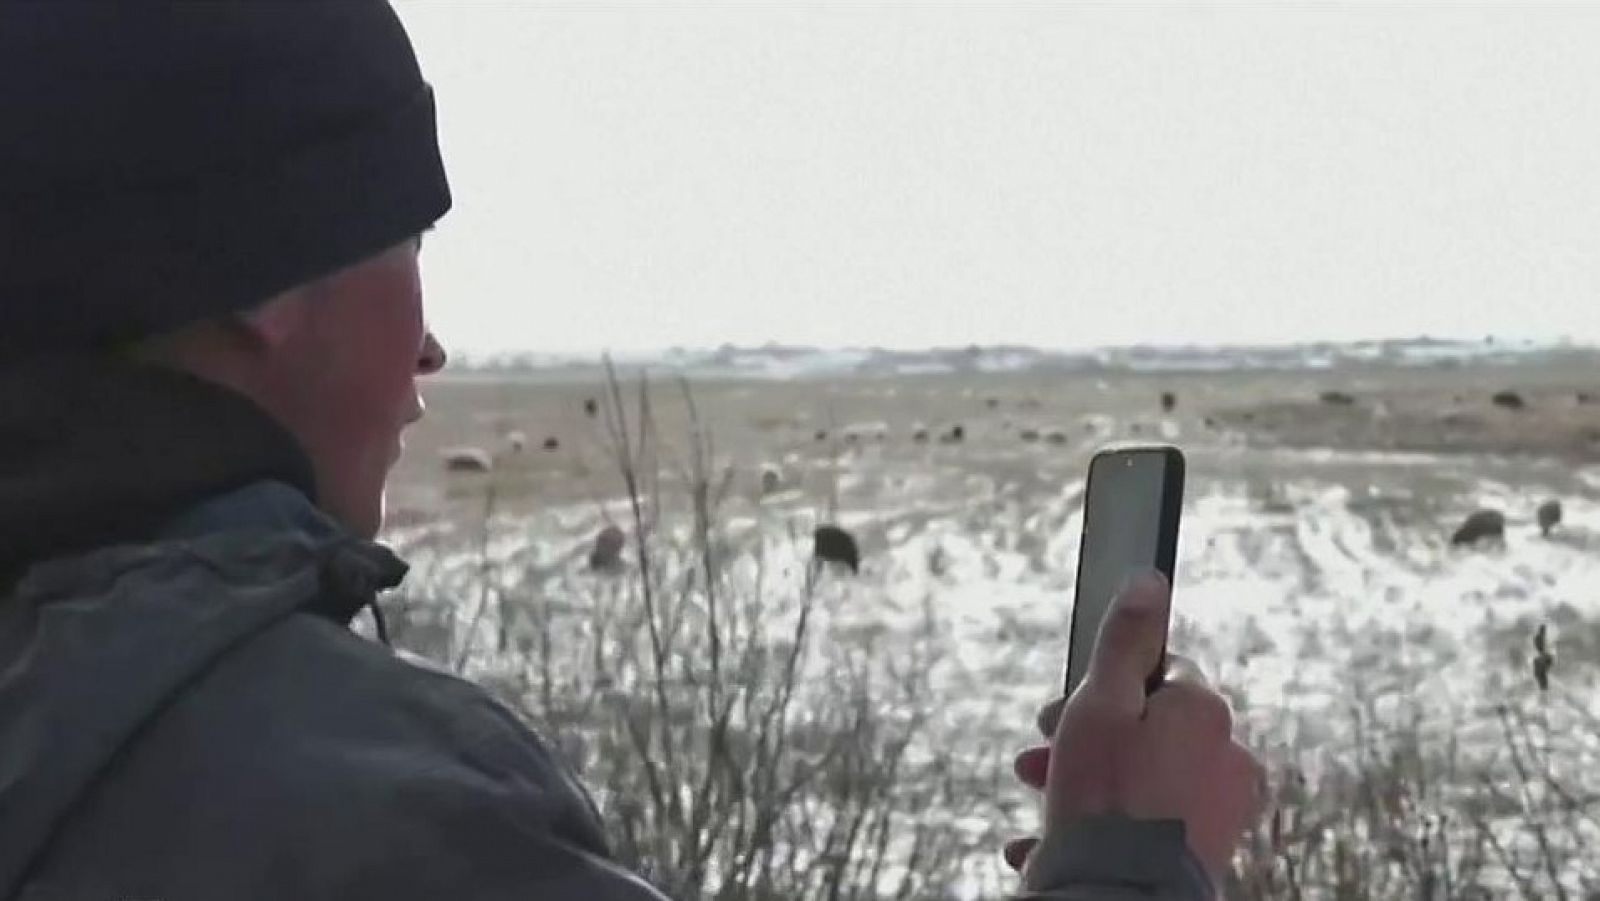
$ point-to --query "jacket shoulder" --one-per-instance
(310, 762)
(349, 711)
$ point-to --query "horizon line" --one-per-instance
(598, 353)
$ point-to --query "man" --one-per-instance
(210, 334)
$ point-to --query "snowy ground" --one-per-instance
(1311, 581)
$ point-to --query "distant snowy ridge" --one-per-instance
(776, 361)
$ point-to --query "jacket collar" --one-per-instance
(353, 569)
(96, 452)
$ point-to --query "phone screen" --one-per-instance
(1130, 522)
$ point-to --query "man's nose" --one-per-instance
(433, 356)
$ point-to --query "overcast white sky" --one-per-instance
(639, 177)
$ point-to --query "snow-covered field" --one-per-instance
(1316, 584)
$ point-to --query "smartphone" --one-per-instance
(1131, 507)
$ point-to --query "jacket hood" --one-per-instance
(96, 452)
(153, 524)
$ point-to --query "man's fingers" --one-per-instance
(1181, 668)
(1017, 851)
(1033, 766)
(1188, 708)
(1128, 648)
(1050, 716)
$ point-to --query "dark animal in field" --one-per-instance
(1549, 516)
(992, 403)
(552, 443)
(920, 436)
(1585, 397)
(1029, 434)
(1209, 422)
(607, 550)
(1057, 438)
(1337, 399)
(591, 407)
(956, 435)
(835, 545)
(1168, 401)
(822, 434)
(467, 459)
(1509, 400)
(771, 479)
(1480, 525)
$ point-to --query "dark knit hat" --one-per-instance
(162, 162)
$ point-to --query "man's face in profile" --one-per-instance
(349, 356)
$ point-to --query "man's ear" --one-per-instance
(276, 322)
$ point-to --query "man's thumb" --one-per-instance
(1131, 640)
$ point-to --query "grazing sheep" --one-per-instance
(866, 431)
(607, 551)
(467, 459)
(1030, 434)
(771, 479)
(920, 436)
(1509, 400)
(956, 435)
(1056, 437)
(1549, 516)
(1337, 399)
(591, 407)
(1480, 525)
(822, 434)
(835, 545)
(516, 441)
(1585, 397)
(1168, 401)
(552, 443)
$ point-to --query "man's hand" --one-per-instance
(1170, 755)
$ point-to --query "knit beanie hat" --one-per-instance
(162, 162)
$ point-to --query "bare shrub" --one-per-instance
(747, 732)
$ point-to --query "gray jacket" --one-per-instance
(188, 717)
